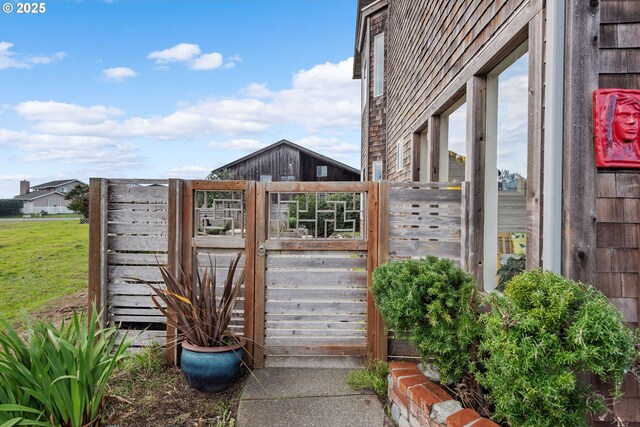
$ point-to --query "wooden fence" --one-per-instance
(309, 252)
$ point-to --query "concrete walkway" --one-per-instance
(306, 397)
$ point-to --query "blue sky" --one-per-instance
(155, 89)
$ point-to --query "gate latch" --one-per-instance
(262, 250)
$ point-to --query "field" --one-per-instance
(41, 263)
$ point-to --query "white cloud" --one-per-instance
(189, 54)
(208, 61)
(47, 59)
(189, 172)
(55, 112)
(231, 62)
(10, 59)
(512, 124)
(179, 53)
(322, 102)
(257, 90)
(237, 145)
(333, 146)
(322, 98)
(119, 73)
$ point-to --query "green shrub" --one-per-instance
(374, 377)
(537, 342)
(10, 207)
(430, 302)
(56, 376)
(510, 269)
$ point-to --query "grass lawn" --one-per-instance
(40, 261)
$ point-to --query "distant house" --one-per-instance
(48, 197)
(286, 161)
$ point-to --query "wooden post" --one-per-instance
(415, 157)
(174, 241)
(260, 266)
(97, 246)
(475, 171)
(250, 262)
(579, 171)
(382, 256)
(433, 149)
(373, 317)
(464, 225)
(535, 141)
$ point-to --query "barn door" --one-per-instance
(315, 250)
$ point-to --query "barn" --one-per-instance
(286, 161)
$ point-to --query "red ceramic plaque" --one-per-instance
(617, 128)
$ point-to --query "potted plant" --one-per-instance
(211, 353)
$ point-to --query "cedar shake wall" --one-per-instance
(375, 112)
(429, 42)
(618, 191)
(617, 240)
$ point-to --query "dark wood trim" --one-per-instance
(415, 157)
(433, 149)
(319, 187)
(316, 245)
(579, 171)
(372, 259)
(250, 262)
(218, 185)
(382, 255)
(464, 226)
(174, 239)
(260, 277)
(95, 243)
(104, 264)
(535, 144)
(475, 172)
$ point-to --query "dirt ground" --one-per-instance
(62, 308)
(164, 400)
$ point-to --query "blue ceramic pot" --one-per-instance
(210, 369)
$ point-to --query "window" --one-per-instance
(364, 90)
(453, 145)
(506, 163)
(287, 178)
(399, 155)
(265, 178)
(377, 170)
(378, 65)
(63, 189)
(321, 171)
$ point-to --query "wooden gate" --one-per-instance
(315, 254)
(309, 253)
(209, 223)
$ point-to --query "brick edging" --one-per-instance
(416, 401)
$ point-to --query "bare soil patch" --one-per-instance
(162, 398)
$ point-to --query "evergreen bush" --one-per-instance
(10, 207)
(431, 303)
(538, 341)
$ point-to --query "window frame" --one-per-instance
(378, 65)
(319, 168)
(377, 164)
(399, 156)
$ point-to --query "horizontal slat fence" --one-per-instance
(314, 302)
(132, 219)
(315, 305)
(419, 220)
